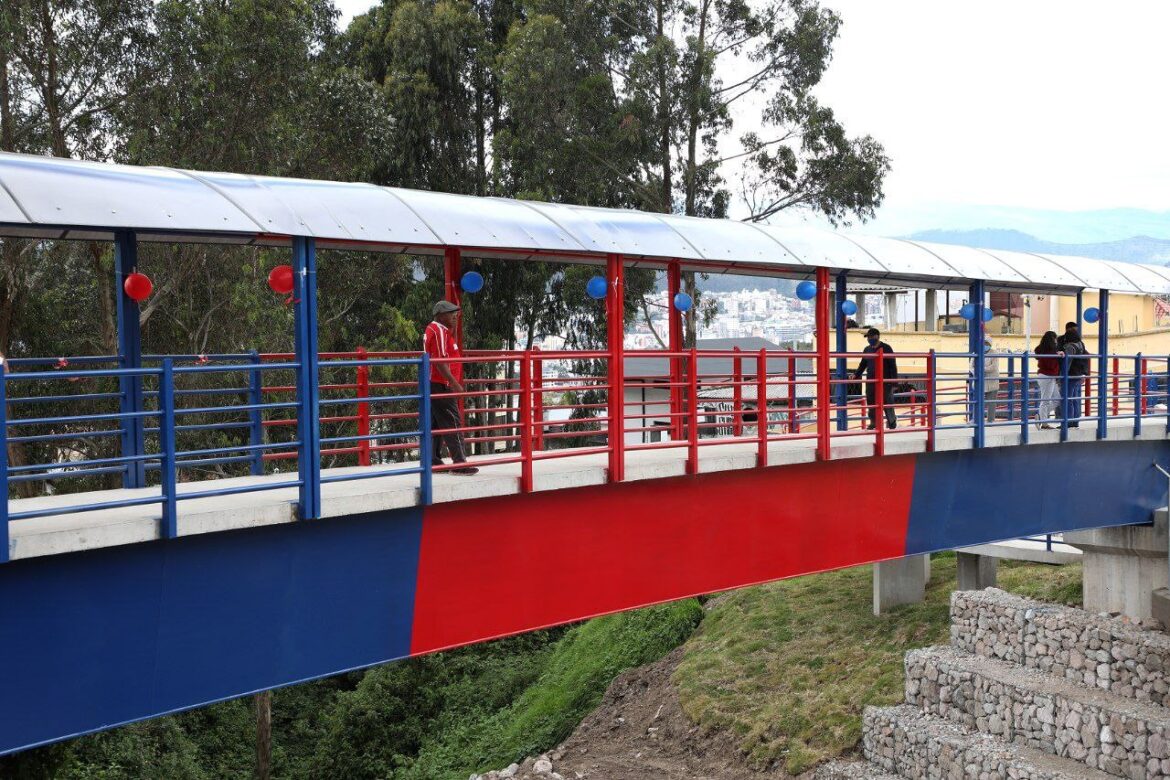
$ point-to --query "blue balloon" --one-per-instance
(1092, 314)
(987, 315)
(682, 301)
(472, 282)
(848, 308)
(967, 311)
(806, 291)
(597, 287)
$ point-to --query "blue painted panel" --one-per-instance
(973, 497)
(96, 639)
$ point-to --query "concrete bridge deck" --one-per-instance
(77, 531)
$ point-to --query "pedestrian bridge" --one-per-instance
(183, 529)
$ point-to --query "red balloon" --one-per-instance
(138, 286)
(280, 279)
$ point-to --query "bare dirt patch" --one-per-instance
(639, 731)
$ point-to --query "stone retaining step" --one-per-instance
(851, 770)
(905, 741)
(1122, 737)
(1079, 646)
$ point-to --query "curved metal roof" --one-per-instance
(69, 199)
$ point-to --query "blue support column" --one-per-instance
(3, 467)
(1103, 367)
(305, 345)
(166, 437)
(425, 443)
(1081, 312)
(129, 356)
(841, 394)
(978, 350)
(256, 416)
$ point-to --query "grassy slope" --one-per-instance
(789, 666)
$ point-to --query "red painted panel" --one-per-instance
(498, 566)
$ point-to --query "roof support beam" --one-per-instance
(129, 356)
(1103, 365)
(305, 345)
(675, 344)
(841, 391)
(615, 320)
(978, 349)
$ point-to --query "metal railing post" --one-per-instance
(363, 409)
(1011, 387)
(525, 431)
(1145, 370)
(425, 441)
(693, 406)
(762, 408)
(793, 417)
(1138, 395)
(1116, 387)
(256, 415)
(1166, 397)
(841, 394)
(168, 467)
(824, 419)
(1025, 396)
(932, 417)
(1064, 399)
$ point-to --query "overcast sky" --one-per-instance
(1036, 104)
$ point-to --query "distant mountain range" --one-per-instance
(1139, 249)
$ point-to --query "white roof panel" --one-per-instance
(974, 264)
(1097, 274)
(1147, 278)
(905, 257)
(630, 232)
(821, 247)
(53, 191)
(497, 223)
(56, 198)
(1039, 271)
(725, 240)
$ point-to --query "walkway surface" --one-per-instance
(108, 527)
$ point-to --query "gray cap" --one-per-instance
(444, 307)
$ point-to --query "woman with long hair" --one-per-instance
(1048, 373)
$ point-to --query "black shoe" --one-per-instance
(465, 470)
(437, 463)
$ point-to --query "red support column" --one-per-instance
(615, 311)
(879, 410)
(363, 410)
(675, 344)
(537, 400)
(737, 395)
(451, 264)
(693, 406)
(762, 408)
(824, 416)
(525, 427)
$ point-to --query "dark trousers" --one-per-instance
(445, 416)
(887, 399)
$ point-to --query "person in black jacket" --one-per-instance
(868, 367)
(1078, 368)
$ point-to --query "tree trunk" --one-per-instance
(664, 114)
(693, 118)
(263, 735)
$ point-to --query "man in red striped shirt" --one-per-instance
(446, 377)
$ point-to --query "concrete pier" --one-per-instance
(1124, 566)
(976, 572)
(900, 581)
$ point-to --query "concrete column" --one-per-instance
(896, 582)
(930, 318)
(891, 307)
(862, 299)
(976, 572)
(1123, 566)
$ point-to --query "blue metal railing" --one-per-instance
(168, 459)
